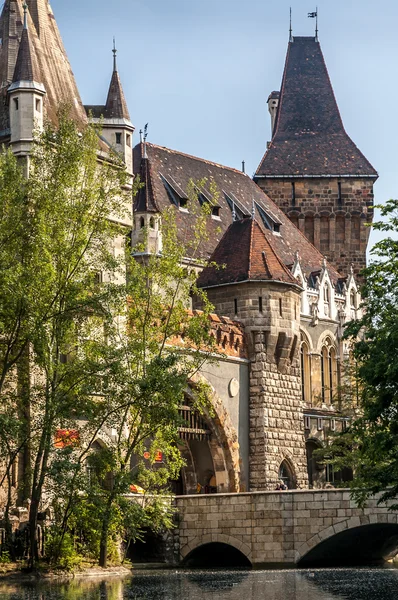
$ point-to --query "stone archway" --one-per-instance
(220, 538)
(223, 443)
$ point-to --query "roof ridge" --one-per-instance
(209, 162)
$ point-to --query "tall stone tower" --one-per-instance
(311, 168)
(256, 288)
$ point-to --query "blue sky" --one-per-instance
(200, 72)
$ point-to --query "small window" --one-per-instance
(128, 140)
(320, 424)
(333, 425)
(152, 222)
(183, 203)
(16, 103)
(339, 196)
(277, 228)
(280, 307)
(236, 305)
(307, 422)
(215, 212)
(293, 194)
(142, 223)
(260, 304)
(118, 138)
(38, 105)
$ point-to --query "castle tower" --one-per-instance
(26, 96)
(258, 290)
(146, 214)
(312, 169)
(114, 117)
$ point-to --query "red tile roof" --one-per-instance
(309, 137)
(245, 255)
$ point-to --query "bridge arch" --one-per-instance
(355, 540)
(215, 538)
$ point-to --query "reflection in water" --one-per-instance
(322, 584)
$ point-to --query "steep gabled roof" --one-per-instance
(172, 169)
(47, 49)
(309, 137)
(246, 255)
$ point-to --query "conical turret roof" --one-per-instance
(26, 67)
(145, 199)
(247, 255)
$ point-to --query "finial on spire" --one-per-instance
(290, 30)
(253, 210)
(314, 15)
(145, 137)
(114, 55)
(243, 166)
(25, 15)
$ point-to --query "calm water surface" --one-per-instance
(319, 584)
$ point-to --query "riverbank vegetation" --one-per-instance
(91, 376)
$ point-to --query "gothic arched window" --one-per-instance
(328, 373)
(305, 372)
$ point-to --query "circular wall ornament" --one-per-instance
(233, 387)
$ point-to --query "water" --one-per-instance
(319, 584)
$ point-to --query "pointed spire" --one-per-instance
(145, 201)
(27, 67)
(116, 105)
(114, 55)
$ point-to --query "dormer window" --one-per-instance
(16, 103)
(183, 203)
(215, 212)
(118, 136)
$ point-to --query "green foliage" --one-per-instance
(62, 548)
(370, 446)
(110, 358)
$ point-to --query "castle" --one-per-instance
(293, 240)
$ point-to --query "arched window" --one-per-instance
(305, 373)
(332, 374)
(286, 475)
(142, 222)
(152, 222)
(329, 376)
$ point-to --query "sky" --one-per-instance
(199, 73)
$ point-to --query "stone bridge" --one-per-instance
(269, 529)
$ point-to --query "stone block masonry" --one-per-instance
(271, 528)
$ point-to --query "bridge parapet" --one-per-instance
(273, 528)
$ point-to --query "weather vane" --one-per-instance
(290, 29)
(314, 15)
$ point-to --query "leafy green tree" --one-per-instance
(370, 446)
(56, 210)
(153, 350)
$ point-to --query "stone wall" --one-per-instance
(275, 415)
(271, 528)
(333, 221)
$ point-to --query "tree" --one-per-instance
(153, 350)
(56, 209)
(370, 446)
(88, 354)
